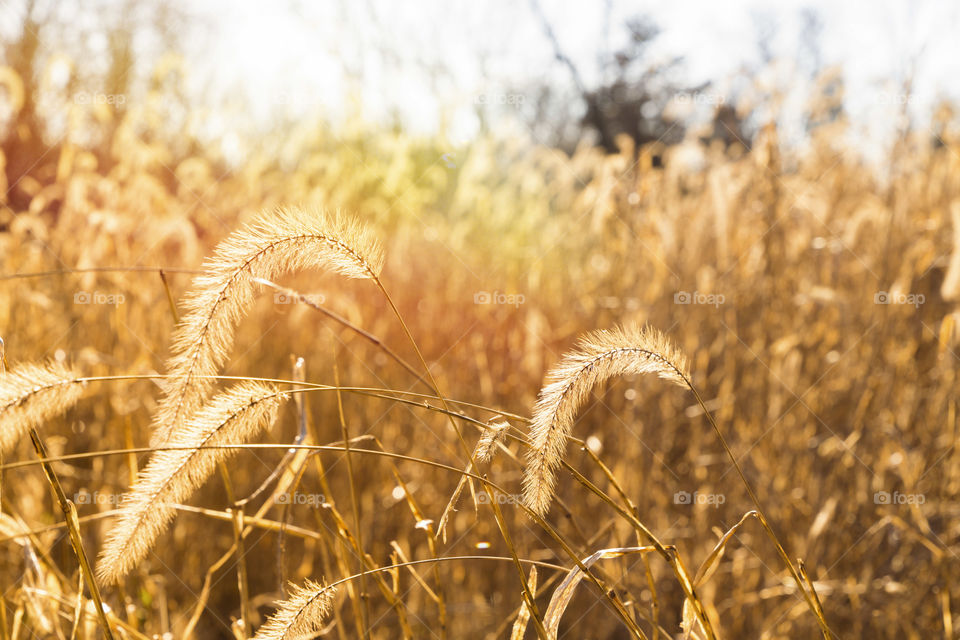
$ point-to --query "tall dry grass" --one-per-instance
(812, 298)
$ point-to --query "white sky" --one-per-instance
(296, 56)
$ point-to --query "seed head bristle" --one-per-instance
(599, 357)
(300, 616)
(173, 475)
(31, 394)
(487, 445)
(287, 241)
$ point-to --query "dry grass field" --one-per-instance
(223, 416)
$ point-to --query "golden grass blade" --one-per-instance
(302, 615)
(287, 241)
(600, 356)
(31, 394)
(690, 625)
(564, 592)
(171, 476)
(523, 616)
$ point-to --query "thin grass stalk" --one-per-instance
(336, 541)
(812, 600)
(170, 300)
(431, 544)
(377, 342)
(528, 593)
(243, 587)
(668, 553)
(73, 526)
(501, 525)
(355, 504)
(654, 601)
(548, 528)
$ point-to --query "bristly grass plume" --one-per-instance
(287, 241)
(302, 615)
(30, 394)
(601, 355)
(172, 475)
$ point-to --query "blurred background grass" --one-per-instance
(813, 285)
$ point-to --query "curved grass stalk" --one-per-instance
(173, 475)
(600, 356)
(287, 241)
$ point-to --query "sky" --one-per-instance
(432, 60)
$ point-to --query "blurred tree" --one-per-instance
(629, 99)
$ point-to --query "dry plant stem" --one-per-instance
(78, 609)
(812, 600)
(343, 530)
(170, 300)
(256, 520)
(431, 544)
(545, 586)
(668, 553)
(654, 602)
(655, 607)
(355, 504)
(553, 534)
(487, 483)
(355, 604)
(242, 583)
(349, 325)
(205, 591)
(501, 525)
(129, 629)
(70, 513)
(62, 272)
(426, 367)
(489, 487)
(378, 392)
(813, 591)
(223, 516)
(528, 593)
